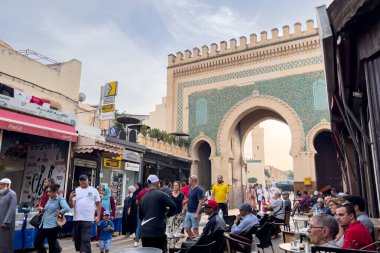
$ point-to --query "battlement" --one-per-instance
(206, 52)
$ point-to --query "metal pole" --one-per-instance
(67, 168)
(100, 104)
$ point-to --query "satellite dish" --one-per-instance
(82, 97)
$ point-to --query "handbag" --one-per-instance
(61, 219)
(36, 220)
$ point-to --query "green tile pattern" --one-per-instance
(298, 91)
(236, 75)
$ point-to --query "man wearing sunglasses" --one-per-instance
(322, 230)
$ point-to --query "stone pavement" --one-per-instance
(119, 242)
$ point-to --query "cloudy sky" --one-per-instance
(129, 40)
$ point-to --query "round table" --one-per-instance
(142, 250)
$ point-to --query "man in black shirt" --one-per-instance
(152, 213)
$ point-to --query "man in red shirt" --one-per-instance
(186, 188)
(356, 235)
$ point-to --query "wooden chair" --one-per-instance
(287, 237)
(234, 244)
(286, 222)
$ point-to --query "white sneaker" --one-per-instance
(136, 244)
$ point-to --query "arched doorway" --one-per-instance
(326, 164)
(235, 128)
(204, 166)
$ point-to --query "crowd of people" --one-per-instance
(159, 208)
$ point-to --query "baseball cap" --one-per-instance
(83, 177)
(342, 194)
(106, 212)
(153, 179)
(316, 193)
(211, 204)
(5, 181)
(246, 207)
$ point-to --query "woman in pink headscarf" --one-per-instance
(251, 197)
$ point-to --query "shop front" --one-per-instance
(31, 150)
(165, 165)
(124, 171)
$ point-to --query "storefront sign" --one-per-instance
(111, 163)
(131, 156)
(132, 166)
(307, 181)
(85, 163)
(36, 110)
(43, 161)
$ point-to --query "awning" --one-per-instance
(22, 123)
(89, 145)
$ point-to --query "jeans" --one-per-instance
(138, 229)
(51, 234)
(224, 208)
(82, 237)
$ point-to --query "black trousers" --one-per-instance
(155, 242)
(224, 208)
(82, 238)
(51, 234)
(259, 203)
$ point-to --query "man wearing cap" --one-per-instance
(213, 230)
(152, 212)
(85, 200)
(8, 202)
(244, 221)
(214, 221)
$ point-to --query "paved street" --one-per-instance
(119, 242)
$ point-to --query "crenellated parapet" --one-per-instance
(255, 42)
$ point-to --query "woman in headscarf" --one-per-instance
(129, 213)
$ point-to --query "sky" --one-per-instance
(129, 40)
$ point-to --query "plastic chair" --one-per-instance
(264, 236)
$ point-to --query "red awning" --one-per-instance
(17, 122)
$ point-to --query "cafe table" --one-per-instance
(376, 228)
(287, 247)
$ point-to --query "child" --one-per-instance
(106, 230)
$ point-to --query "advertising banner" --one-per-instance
(43, 161)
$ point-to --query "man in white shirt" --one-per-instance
(260, 195)
(278, 207)
(85, 200)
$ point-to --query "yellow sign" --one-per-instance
(307, 181)
(110, 89)
(108, 108)
(111, 163)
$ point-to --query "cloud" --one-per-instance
(193, 22)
